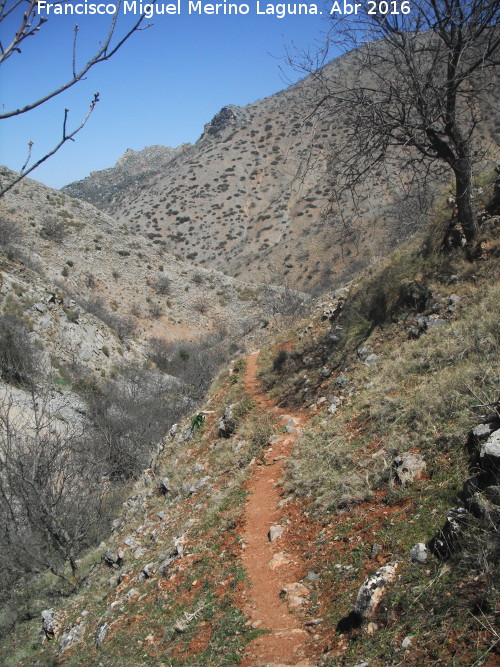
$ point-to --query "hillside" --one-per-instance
(334, 502)
(132, 169)
(93, 258)
(249, 414)
(253, 196)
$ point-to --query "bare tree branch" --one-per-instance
(104, 53)
(412, 92)
(64, 138)
(28, 25)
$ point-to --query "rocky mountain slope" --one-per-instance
(95, 260)
(253, 198)
(366, 439)
(132, 169)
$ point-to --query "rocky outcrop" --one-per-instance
(369, 596)
(51, 623)
(227, 423)
(372, 590)
(132, 169)
(480, 495)
(228, 116)
(408, 468)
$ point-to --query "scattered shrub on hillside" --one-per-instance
(53, 230)
(201, 306)
(280, 361)
(135, 310)
(284, 301)
(163, 285)
(19, 358)
(124, 327)
(197, 279)
(90, 280)
(156, 310)
(10, 233)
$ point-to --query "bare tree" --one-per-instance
(418, 74)
(22, 21)
(53, 502)
(284, 300)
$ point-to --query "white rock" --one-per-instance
(275, 532)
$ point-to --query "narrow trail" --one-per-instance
(268, 564)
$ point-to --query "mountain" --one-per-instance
(333, 502)
(132, 169)
(241, 202)
(87, 254)
(253, 196)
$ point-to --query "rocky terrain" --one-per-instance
(204, 467)
(348, 471)
(77, 249)
(133, 168)
(253, 198)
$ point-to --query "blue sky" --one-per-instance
(161, 88)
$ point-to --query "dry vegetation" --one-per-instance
(420, 395)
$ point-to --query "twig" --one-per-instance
(65, 137)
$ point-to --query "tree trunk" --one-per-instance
(465, 207)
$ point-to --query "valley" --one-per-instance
(249, 414)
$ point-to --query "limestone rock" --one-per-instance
(113, 558)
(490, 452)
(149, 570)
(227, 423)
(443, 543)
(295, 594)
(408, 468)
(419, 553)
(100, 634)
(371, 360)
(278, 560)
(364, 352)
(164, 486)
(372, 590)
(71, 637)
(275, 532)
(50, 623)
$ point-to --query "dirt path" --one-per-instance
(269, 565)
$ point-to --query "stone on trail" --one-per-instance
(275, 532)
(372, 590)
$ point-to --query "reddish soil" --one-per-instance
(271, 565)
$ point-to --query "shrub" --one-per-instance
(194, 363)
(90, 280)
(201, 306)
(53, 503)
(131, 415)
(10, 233)
(155, 310)
(53, 230)
(280, 360)
(163, 285)
(19, 359)
(197, 279)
